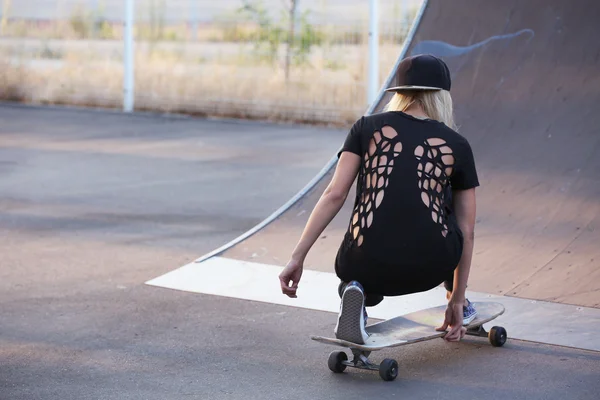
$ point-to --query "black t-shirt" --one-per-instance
(403, 205)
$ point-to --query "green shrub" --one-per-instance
(81, 23)
(106, 31)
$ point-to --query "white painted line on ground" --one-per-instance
(537, 321)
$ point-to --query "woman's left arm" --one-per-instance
(326, 209)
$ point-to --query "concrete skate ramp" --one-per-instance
(526, 87)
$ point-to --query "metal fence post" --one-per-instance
(95, 18)
(4, 15)
(128, 58)
(194, 16)
(373, 69)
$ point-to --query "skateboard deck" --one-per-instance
(410, 328)
(415, 327)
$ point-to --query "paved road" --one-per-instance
(94, 204)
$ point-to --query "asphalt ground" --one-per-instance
(94, 204)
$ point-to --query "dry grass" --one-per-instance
(11, 82)
(226, 31)
(77, 61)
(329, 90)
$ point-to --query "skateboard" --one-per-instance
(410, 328)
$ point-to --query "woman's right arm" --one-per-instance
(464, 208)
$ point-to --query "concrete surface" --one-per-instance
(532, 320)
(147, 343)
(77, 245)
(168, 182)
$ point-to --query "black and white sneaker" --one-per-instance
(469, 313)
(352, 318)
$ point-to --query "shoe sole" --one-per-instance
(467, 321)
(349, 322)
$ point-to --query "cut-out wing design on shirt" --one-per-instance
(435, 163)
(377, 167)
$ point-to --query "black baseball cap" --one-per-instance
(422, 72)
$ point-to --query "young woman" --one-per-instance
(412, 226)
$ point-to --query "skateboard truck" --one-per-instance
(479, 331)
(338, 361)
(497, 335)
(361, 360)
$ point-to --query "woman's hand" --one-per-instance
(291, 273)
(454, 319)
(326, 209)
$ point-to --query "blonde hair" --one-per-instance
(437, 104)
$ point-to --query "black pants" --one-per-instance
(372, 299)
(379, 280)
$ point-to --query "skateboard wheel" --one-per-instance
(388, 369)
(497, 336)
(336, 361)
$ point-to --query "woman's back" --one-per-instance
(403, 208)
(405, 235)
